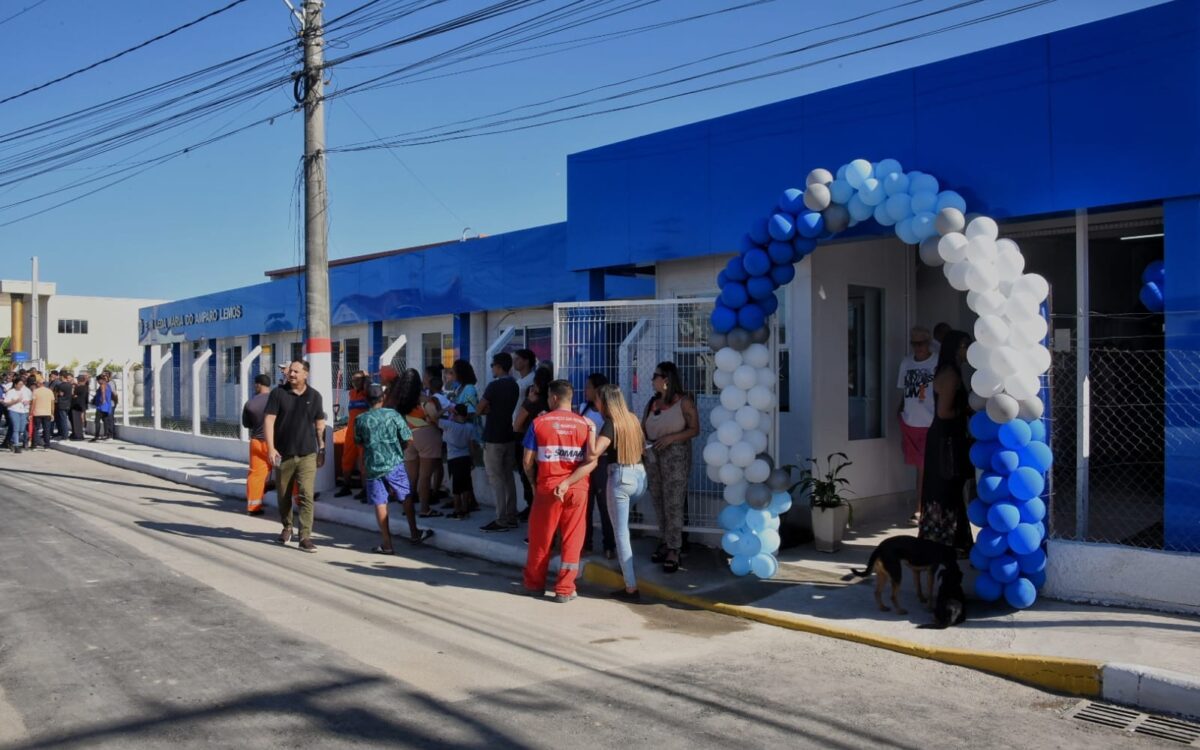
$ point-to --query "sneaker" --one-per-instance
(343, 491)
(306, 545)
(285, 536)
(622, 595)
(495, 526)
(564, 598)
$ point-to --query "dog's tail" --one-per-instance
(870, 566)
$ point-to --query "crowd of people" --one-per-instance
(37, 408)
(415, 441)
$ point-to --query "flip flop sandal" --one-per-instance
(382, 551)
(431, 514)
(421, 536)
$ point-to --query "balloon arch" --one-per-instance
(1008, 355)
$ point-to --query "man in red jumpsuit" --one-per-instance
(559, 457)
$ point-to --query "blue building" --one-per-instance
(1081, 143)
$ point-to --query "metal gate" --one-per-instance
(624, 340)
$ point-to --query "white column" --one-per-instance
(244, 388)
(126, 374)
(158, 361)
(385, 359)
(1083, 336)
(197, 367)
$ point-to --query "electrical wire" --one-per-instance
(21, 12)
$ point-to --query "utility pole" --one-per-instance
(35, 345)
(316, 253)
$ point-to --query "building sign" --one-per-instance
(176, 322)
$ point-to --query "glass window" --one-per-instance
(431, 349)
(83, 325)
(233, 364)
(72, 326)
(865, 365)
(353, 361)
(448, 352)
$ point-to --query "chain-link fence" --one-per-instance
(1111, 438)
(624, 341)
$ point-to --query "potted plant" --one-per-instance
(826, 490)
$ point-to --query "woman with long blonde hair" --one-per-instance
(621, 443)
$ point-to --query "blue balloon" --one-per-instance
(982, 427)
(977, 512)
(1024, 539)
(1037, 455)
(1004, 569)
(810, 224)
(1032, 511)
(764, 566)
(982, 452)
(924, 226)
(1020, 593)
(751, 317)
(1155, 273)
(732, 516)
(722, 279)
(1038, 579)
(734, 295)
(770, 540)
(740, 565)
(1037, 430)
(950, 199)
(781, 502)
(780, 252)
(783, 275)
(1034, 562)
(979, 561)
(781, 227)
(1152, 297)
(1005, 462)
(757, 520)
(756, 262)
(1041, 529)
(802, 247)
(723, 319)
(749, 544)
(730, 542)
(792, 201)
(1003, 517)
(747, 243)
(760, 233)
(986, 587)
(760, 287)
(1015, 434)
(992, 487)
(1025, 483)
(769, 305)
(735, 270)
(991, 544)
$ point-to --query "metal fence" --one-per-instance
(1110, 448)
(624, 340)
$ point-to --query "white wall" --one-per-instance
(112, 329)
(413, 328)
(1111, 574)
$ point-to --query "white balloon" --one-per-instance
(719, 416)
(1034, 284)
(929, 252)
(986, 383)
(990, 330)
(729, 433)
(728, 359)
(722, 379)
(745, 377)
(981, 277)
(981, 249)
(713, 472)
(1009, 262)
(987, 303)
(731, 474)
(758, 471)
(1028, 331)
(983, 226)
(766, 422)
(818, 176)
(741, 454)
(716, 454)
(1003, 360)
(735, 494)
(747, 417)
(757, 440)
(767, 377)
(1031, 409)
(1021, 306)
(1038, 359)
(978, 356)
(952, 247)
(1002, 408)
(733, 398)
(956, 274)
(1022, 386)
(757, 355)
(761, 398)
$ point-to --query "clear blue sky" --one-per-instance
(219, 217)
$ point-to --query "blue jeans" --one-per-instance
(626, 484)
(17, 424)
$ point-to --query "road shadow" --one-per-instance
(183, 490)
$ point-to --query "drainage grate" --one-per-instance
(1136, 722)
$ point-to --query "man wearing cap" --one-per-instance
(253, 415)
(294, 427)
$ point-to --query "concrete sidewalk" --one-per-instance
(1134, 657)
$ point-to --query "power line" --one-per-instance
(21, 12)
(123, 52)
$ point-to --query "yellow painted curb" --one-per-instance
(1063, 675)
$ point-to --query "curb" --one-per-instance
(1153, 689)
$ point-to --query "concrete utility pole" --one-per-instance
(316, 200)
(35, 338)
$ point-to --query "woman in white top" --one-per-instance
(17, 399)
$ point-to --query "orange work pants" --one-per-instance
(350, 449)
(260, 469)
(549, 515)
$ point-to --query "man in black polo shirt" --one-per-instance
(295, 431)
(498, 404)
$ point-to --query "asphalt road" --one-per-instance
(136, 613)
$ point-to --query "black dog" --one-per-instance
(921, 555)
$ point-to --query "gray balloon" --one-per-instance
(819, 177)
(758, 496)
(717, 341)
(817, 197)
(767, 457)
(948, 220)
(1031, 409)
(976, 402)
(760, 335)
(779, 480)
(837, 217)
(1002, 408)
(738, 339)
